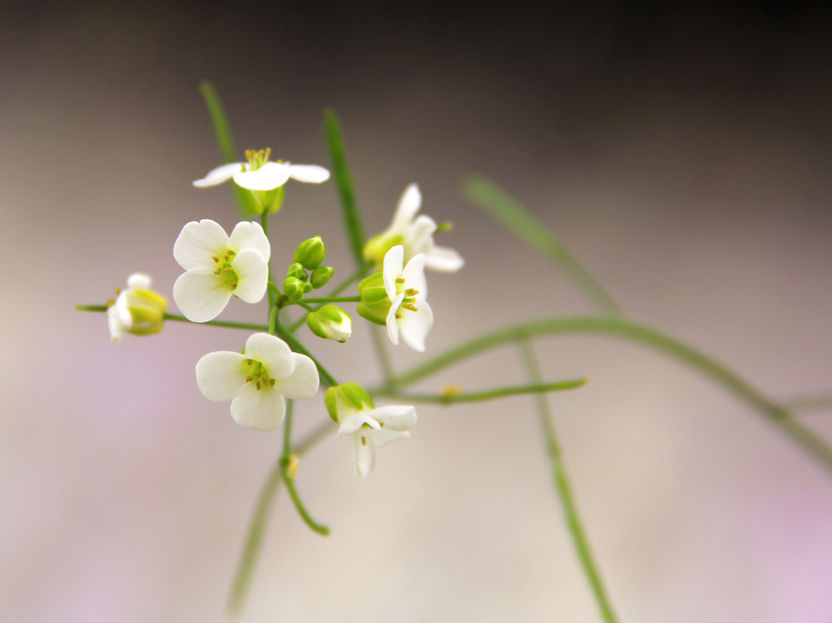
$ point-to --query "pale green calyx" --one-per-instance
(375, 304)
(346, 399)
(310, 253)
(331, 323)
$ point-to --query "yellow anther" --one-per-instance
(248, 379)
(451, 390)
(258, 384)
(411, 292)
(363, 441)
(400, 280)
(292, 467)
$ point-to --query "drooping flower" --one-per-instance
(218, 265)
(259, 173)
(137, 310)
(258, 381)
(409, 315)
(415, 234)
(370, 427)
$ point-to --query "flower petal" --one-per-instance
(381, 438)
(409, 204)
(420, 235)
(392, 269)
(139, 281)
(414, 274)
(364, 454)
(219, 376)
(258, 409)
(392, 321)
(116, 329)
(200, 295)
(272, 352)
(352, 423)
(250, 235)
(415, 325)
(252, 275)
(444, 260)
(303, 382)
(221, 174)
(396, 417)
(309, 173)
(198, 242)
(268, 177)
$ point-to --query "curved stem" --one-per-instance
(775, 413)
(563, 488)
(333, 299)
(491, 394)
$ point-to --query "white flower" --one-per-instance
(258, 173)
(257, 382)
(137, 310)
(415, 233)
(409, 315)
(218, 265)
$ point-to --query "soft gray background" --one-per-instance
(684, 155)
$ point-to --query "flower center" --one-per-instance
(256, 373)
(257, 159)
(222, 267)
(409, 297)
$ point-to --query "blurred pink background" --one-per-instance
(689, 169)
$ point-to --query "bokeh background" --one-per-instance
(683, 153)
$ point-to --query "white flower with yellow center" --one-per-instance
(258, 381)
(218, 265)
(370, 427)
(137, 310)
(410, 315)
(261, 174)
(415, 234)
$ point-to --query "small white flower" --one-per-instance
(258, 382)
(415, 233)
(409, 315)
(218, 265)
(137, 310)
(258, 173)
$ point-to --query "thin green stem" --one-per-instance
(500, 392)
(220, 323)
(273, 319)
(337, 290)
(620, 327)
(273, 291)
(333, 299)
(288, 477)
(296, 346)
(564, 491)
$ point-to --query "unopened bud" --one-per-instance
(375, 304)
(331, 323)
(293, 288)
(346, 398)
(321, 276)
(310, 253)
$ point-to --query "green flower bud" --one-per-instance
(298, 271)
(346, 397)
(374, 303)
(331, 323)
(307, 287)
(147, 308)
(293, 288)
(377, 246)
(310, 253)
(321, 276)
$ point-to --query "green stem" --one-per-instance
(221, 323)
(272, 291)
(288, 478)
(296, 346)
(333, 299)
(337, 290)
(491, 394)
(564, 491)
(773, 412)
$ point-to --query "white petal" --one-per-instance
(125, 318)
(364, 454)
(221, 174)
(415, 325)
(381, 438)
(309, 173)
(250, 235)
(420, 235)
(392, 269)
(396, 417)
(116, 329)
(138, 281)
(444, 260)
(219, 375)
(352, 423)
(198, 242)
(272, 352)
(303, 382)
(392, 321)
(252, 275)
(258, 409)
(409, 204)
(414, 274)
(268, 177)
(200, 294)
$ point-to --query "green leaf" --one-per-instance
(244, 200)
(503, 208)
(346, 189)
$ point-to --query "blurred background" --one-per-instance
(683, 153)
